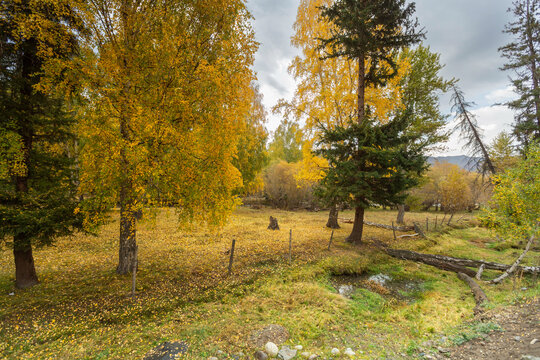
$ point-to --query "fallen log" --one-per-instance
(389, 227)
(515, 264)
(418, 257)
(463, 273)
(470, 263)
(382, 226)
(406, 235)
(479, 294)
(487, 265)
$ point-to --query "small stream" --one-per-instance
(406, 290)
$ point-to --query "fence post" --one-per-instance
(427, 224)
(394, 231)
(331, 237)
(290, 246)
(232, 256)
(134, 271)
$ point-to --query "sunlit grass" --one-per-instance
(82, 309)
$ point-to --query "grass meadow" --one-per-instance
(83, 310)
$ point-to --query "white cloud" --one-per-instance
(491, 119)
(500, 96)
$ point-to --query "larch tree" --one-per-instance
(502, 152)
(37, 175)
(167, 96)
(523, 55)
(325, 94)
(251, 156)
(287, 142)
(421, 86)
(369, 32)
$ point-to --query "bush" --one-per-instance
(283, 191)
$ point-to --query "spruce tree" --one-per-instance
(37, 175)
(523, 56)
(369, 32)
(371, 164)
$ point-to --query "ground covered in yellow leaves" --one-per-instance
(83, 310)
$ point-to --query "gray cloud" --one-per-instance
(467, 34)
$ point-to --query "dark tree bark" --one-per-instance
(25, 271)
(460, 262)
(401, 214)
(479, 294)
(333, 218)
(273, 224)
(426, 259)
(128, 231)
(356, 234)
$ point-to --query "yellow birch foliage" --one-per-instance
(326, 92)
(167, 88)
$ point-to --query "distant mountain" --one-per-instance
(463, 161)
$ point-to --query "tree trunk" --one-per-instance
(479, 294)
(356, 235)
(361, 89)
(25, 271)
(534, 71)
(128, 231)
(401, 214)
(333, 218)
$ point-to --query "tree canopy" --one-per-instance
(523, 55)
(38, 177)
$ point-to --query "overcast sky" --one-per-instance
(465, 33)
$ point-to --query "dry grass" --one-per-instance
(82, 309)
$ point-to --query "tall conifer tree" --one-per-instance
(523, 56)
(37, 177)
(369, 31)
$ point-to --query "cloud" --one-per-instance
(466, 33)
(501, 96)
(491, 119)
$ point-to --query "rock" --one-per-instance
(530, 357)
(428, 344)
(238, 356)
(381, 279)
(306, 355)
(313, 357)
(533, 341)
(220, 352)
(346, 290)
(349, 352)
(276, 334)
(298, 347)
(443, 339)
(11, 293)
(335, 351)
(212, 358)
(286, 353)
(443, 350)
(271, 349)
(167, 351)
(260, 355)
(517, 338)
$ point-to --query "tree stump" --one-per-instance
(273, 224)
